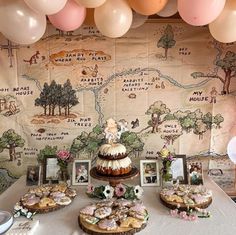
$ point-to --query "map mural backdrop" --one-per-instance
(168, 83)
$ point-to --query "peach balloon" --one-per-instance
(148, 7)
(223, 29)
(70, 17)
(200, 12)
(91, 3)
(114, 18)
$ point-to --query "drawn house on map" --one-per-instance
(3, 104)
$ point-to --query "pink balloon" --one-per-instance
(200, 12)
(70, 17)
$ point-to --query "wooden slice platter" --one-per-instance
(93, 229)
(52, 205)
(182, 206)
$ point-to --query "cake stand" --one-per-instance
(114, 180)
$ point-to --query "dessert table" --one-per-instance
(64, 221)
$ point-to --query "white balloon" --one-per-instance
(170, 9)
(231, 149)
(114, 18)
(91, 3)
(19, 23)
(223, 28)
(138, 20)
(46, 7)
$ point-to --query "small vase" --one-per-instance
(166, 177)
(64, 176)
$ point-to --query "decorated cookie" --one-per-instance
(90, 219)
(47, 202)
(63, 201)
(175, 198)
(131, 222)
(107, 224)
(88, 210)
(31, 201)
(105, 203)
(123, 203)
(199, 199)
(119, 214)
(71, 192)
(103, 212)
(59, 187)
(57, 194)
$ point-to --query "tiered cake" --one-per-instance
(112, 156)
(113, 160)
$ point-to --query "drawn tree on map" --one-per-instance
(11, 140)
(132, 142)
(228, 65)
(167, 40)
(208, 120)
(156, 110)
(217, 120)
(46, 151)
(200, 128)
(88, 142)
(55, 95)
(69, 98)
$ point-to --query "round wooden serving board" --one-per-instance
(183, 207)
(93, 229)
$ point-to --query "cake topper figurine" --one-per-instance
(113, 130)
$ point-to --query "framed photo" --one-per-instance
(149, 173)
(223, 172)
(179, 169)
(80, 172)
(51, 170)
(195, 173)
(33, 175)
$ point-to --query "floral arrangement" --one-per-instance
(189, 215)
(167, 158)
(21, 211)
(64, 157)
(119, 191)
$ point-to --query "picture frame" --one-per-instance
(223, 171)
(81, 172)
(149, 173)
(179, 169)
(51, 170)
(33, 175)
(195, 173)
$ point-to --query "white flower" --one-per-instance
(108, 192)
(138, 191)
(24, 210)
(17, 214)
(29, 215)
(17, 207)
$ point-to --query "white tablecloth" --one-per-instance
(64, 221)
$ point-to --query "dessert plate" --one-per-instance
(6, 220)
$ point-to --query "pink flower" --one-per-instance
(174, 213)
(120, 190)
(63, 155)
(90, 188)
(192, 217)
(183, 215)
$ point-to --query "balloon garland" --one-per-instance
(113, 18)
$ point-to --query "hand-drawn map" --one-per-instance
(170, 83)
